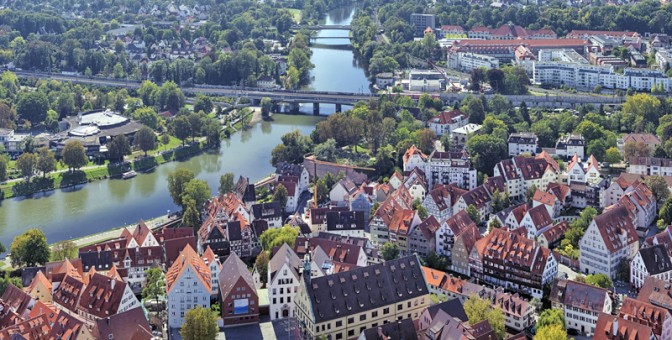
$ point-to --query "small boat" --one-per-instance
(129, 174)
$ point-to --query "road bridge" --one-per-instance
(294, 98)
(323, 27)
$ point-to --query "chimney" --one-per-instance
(614, 331)
(306, 268)
(112, 283)
(380, 333)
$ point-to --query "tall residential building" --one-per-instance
(581, 304)
(188, 286)
(283, 282)
(420, 22)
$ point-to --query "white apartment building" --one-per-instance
(447, 121)
(467, 61)
(650, 261)
(450, 168)
(522, 142)
(650, 166)
(610, 238)
(188, 286)
(585, 77)
(570, 145)
(582, 304)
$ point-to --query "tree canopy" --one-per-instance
(30, 249)
(199, 324)
(275, 237)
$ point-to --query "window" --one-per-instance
(374, 314)
(339, 336)
(386, 311)
(351, 320)
(351, 332)
(362, 317)
(339, 323)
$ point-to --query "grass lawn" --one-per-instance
(174, 143)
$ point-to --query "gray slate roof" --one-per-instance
(366, 288)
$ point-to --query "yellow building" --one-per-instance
(40, 288)
(344, 304)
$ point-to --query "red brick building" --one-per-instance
(237, 294)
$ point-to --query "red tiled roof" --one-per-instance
(645, 313)
(447, 117)
(33, 328)
(555, 233)
(544, 197)
(460, 222)
(188, 258)
(233, 270)
(616, 228)
(68, 293)
(102, 296)
(412, 151)
(624, 329)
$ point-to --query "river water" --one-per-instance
(103, 205)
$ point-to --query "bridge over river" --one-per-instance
(294, 98)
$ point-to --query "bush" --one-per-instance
(144, 163)
(73, 178)
(28, 188)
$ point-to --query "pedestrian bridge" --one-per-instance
(323, 27)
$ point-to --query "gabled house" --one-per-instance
(294, 170)
(423, 237)
(462, 248)
(581, 304)
(131, 324)
(440, 201)
(447, 121)
(342, 191)
(188, 285)
(658, 318)
(522, 142)
(103, 297)
(650, 261)
(382, 218)
(608, 328)
(212, 261)
(284, 278)
(479, 198)
(610, 238)
(512, 217)
(518, 313)
(403, 222)
(536, 220)
(245, 192)
(549, 201)
(644, 203)
(237, 293)
(270, 212)
(41, 289)
(552, 236)
(449, 230)
(414, 158)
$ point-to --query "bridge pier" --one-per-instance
(294, 108)
(316, 109)
(339, 108)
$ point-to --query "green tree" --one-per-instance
(226, 184)
(487, 151)
(4, 162)
(170, 97)
(275, 237)
(46, 161)
(198, 190)
(199, 324)
(665, 214)
(118, 148)
(326, 151)
(27, 164)
(145, 139)
(613, 155)
(389, 251)
(474, 108)
(478, 309)
(147, 116)
(426, 138)
(64, 250)
(261, 263)
(147, 91)
(658, 186)
(599, 280)
(473, 213)
(552, 332)
(190, 216)
(74, 155)
(281, 195)
(500, 201)
(266, 106)
(154, 284)
(177, 180)
(30, 248)
(181, 128)
(203, 103)
(33, 106)
(551, 317)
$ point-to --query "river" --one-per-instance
(103, 205)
